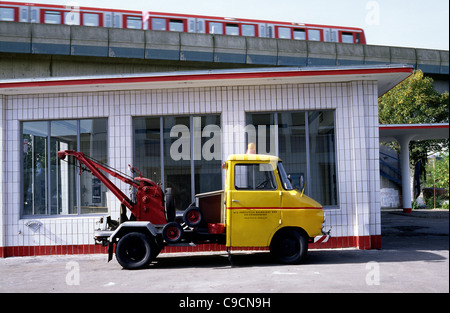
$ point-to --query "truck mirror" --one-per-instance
(302, 182)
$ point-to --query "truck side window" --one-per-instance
(254, 177)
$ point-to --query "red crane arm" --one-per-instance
(96, 169)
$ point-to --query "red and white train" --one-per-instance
(87, 16)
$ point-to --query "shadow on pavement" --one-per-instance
(405, 237)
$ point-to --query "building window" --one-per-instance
(180, 152)
(305, 141)
(53, 187)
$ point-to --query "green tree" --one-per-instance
(415, 101)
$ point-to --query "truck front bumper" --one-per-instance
(324, 238)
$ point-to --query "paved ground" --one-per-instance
(414, 258)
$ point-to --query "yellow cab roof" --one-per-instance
(263, 158)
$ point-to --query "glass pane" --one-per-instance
(254, 177)
(7, 14)
(134, 22)
(232, 29)
(177, 165)
(263, 128)
(292, 145)
(52, 17)
(347, 37)
(93, 143)
(322, 157)
(284, 32)
(90, 19)
(314, 34)
(176, 26)
(208, 161)
(63, 173)
(215, 28)
(248, 30)
(35, 158)
(299, 34)
(158, 24)
(147, 147)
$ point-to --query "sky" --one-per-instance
(401, 23)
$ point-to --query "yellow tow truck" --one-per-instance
(258, 208)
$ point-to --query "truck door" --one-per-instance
(255, 205)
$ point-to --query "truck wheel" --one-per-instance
(134, 251)
(193, 216)
(172, 232)
(289, 247)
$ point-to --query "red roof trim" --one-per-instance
(204, 77)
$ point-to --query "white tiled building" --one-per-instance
(324, 123)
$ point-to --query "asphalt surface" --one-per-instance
(414, 259)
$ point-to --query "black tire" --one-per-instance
(134, 251)
(289, 246)
(172, 232)
(193, 217)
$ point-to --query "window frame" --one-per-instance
(248, 165)
(100, 19)
(274, 118)
(125, 20)
(48, 167)
(60, 12)
(320, 34)
(15, 13)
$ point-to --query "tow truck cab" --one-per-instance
(263, 207)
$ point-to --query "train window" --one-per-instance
(52, 17)
(284, 32)
(232, 29)
(314, 34)
(91, 19)
(134, 22)
(200, 26)
(7, 14)
(24, 15)
(215, 28)
(176, 25)
(347, 37)
(300, 34)
(108, 20)
(158, 23)
(358, 40)
(248, 30)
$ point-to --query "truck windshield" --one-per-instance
(284, 178)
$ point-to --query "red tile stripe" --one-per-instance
(361, 242)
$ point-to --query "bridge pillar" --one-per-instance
(405, 170)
